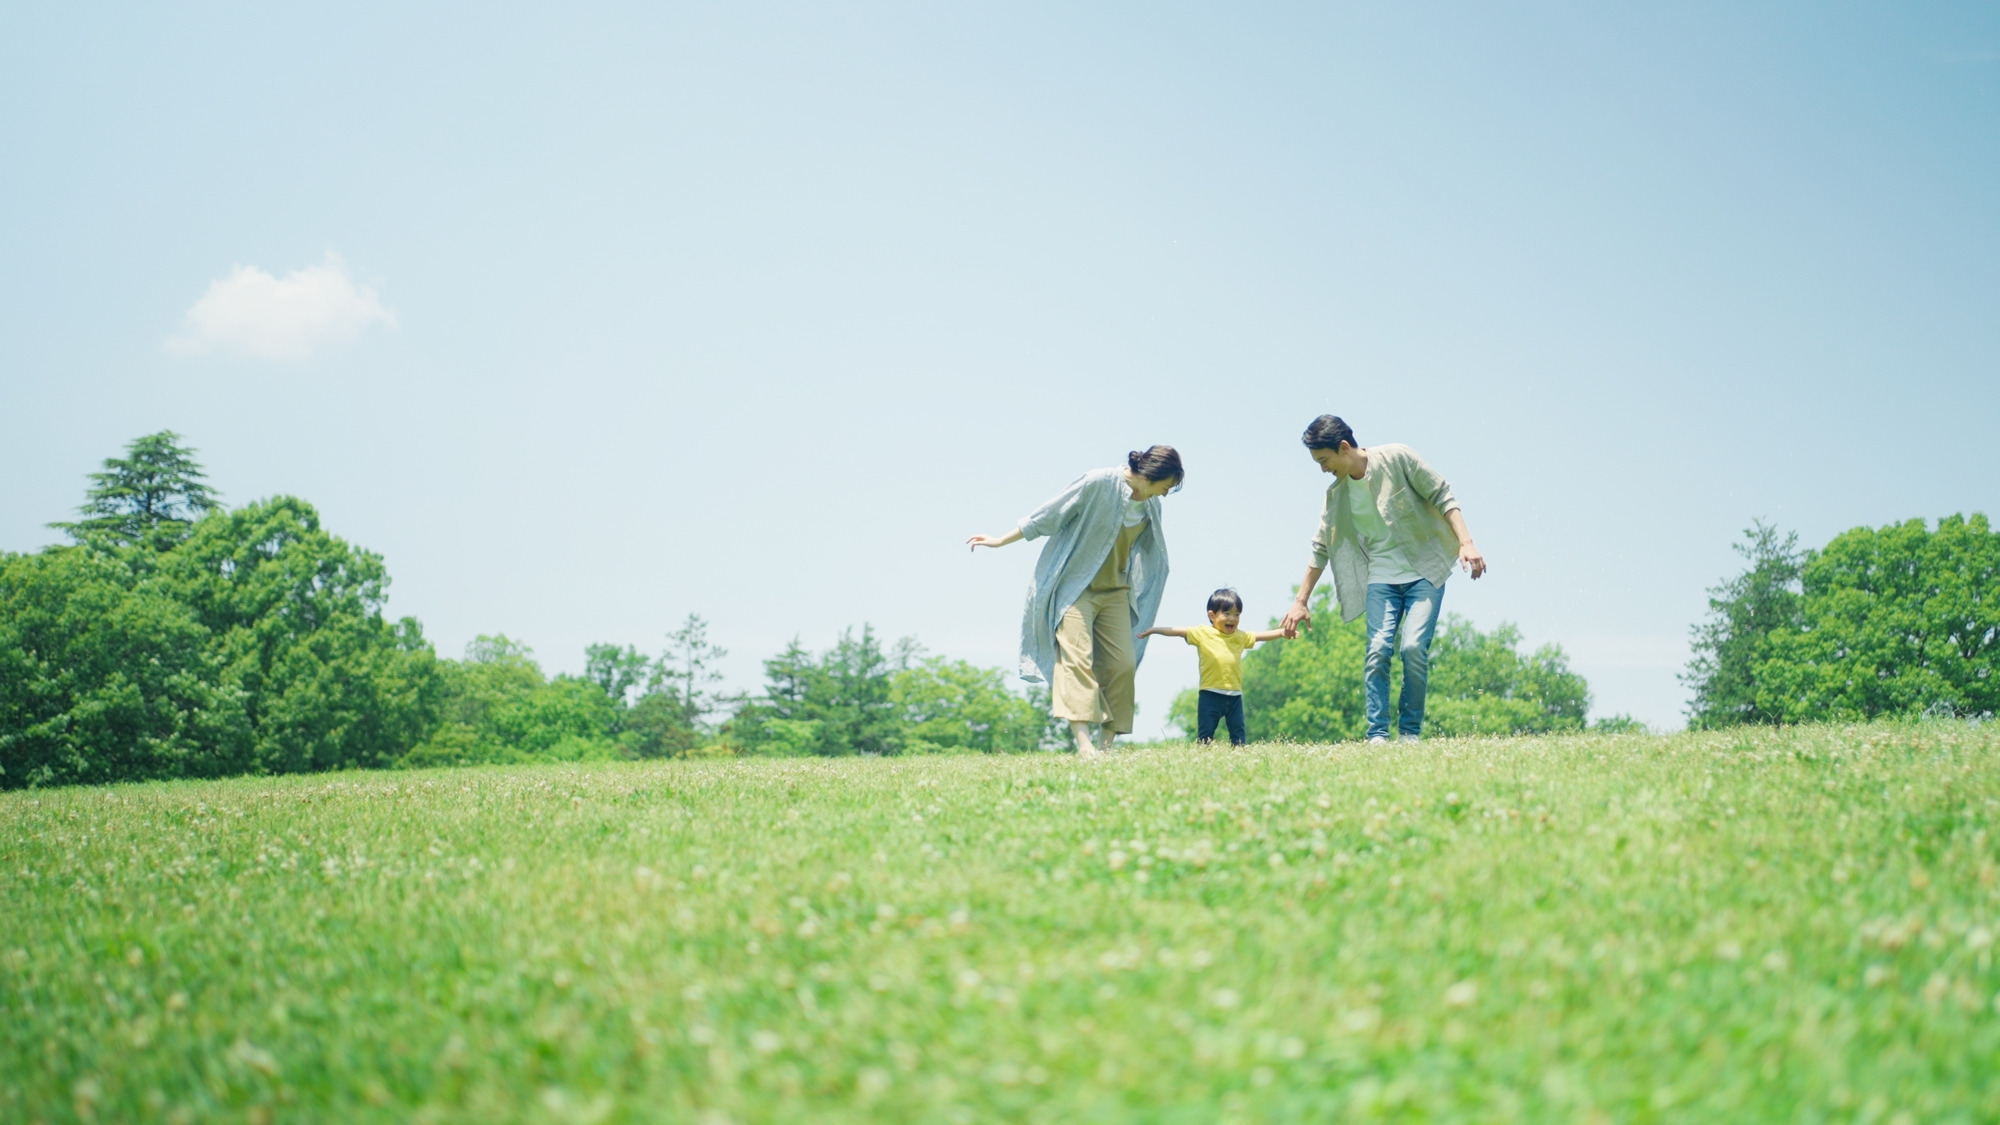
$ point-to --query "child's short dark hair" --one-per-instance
(1224, 599)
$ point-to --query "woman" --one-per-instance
(1097, 586)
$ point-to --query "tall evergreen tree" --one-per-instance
(688, 671)
(1744, 614)
(859, 713)
(150, 496)
(836, 703)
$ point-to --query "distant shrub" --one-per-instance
(1619, 724)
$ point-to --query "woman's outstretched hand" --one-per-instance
(1013, 536)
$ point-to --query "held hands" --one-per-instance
(1470, 559)
(1296, 618)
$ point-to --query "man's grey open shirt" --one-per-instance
(1082, 524)
(1414, 503)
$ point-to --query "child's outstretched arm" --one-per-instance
(1262, 635)
(1164, 631)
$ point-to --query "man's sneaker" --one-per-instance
(1378, 740)
(1409, 738)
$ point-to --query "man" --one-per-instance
(1391, 528)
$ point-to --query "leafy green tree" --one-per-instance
(106, 675)
(1309, 689)
(1481, 683)
(499, 708)
(566, 720)
(1895, 620)
(951, 706)
(249, 641)
(650, 718)
(151, 496)
(1744, 614)
(296, 618)
(494, 677)
(655, 726)
(619, 671)
(496, 673)
(792, 738)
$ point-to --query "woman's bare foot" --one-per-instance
(1080, 731)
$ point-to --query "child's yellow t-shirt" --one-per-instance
(1221, 656)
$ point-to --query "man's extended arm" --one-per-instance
(1301, 613)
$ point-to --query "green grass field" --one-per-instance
(1769, 926)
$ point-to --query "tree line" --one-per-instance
(177, 637)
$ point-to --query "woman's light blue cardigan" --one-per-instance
(1082, 524)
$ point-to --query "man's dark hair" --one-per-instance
(1327, 432)
(1160, 462)
(1223, 599)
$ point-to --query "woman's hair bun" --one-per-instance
(1160, 462)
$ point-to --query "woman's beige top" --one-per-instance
(1115, 573)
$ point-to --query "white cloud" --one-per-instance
(252, 313)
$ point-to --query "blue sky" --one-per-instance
(758, 311)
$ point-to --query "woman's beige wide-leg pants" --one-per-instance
(1095, 661)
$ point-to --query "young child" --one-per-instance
(1221, 645)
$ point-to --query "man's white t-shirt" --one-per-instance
(1387, 561)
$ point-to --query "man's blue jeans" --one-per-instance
(1412, 606)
